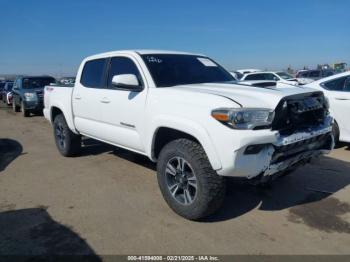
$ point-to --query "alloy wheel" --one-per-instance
(60, 136)
(181, 180)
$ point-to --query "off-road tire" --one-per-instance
(71, 142)
(211, 187)
(25, 112)
(336, 133)
(14, 107)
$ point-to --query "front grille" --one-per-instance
(300, 112)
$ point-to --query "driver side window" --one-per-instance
(120, 66)
(347, 85)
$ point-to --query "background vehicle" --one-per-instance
(2, 85)
(271, 76)
(67, 81)
(315, 74)
(6, 94)
(236, 75)
(337, 89)
(185, 112)
(28, 94)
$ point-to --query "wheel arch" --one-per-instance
(166, 133)
(56, 110)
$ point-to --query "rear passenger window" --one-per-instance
(270, 77)
(303, 74)
(255, 77)
(314, 74)
(336, 84)
(93, 73)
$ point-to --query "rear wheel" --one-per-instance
(14, 107)
(67, 142)
(187, 181)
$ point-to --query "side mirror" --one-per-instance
(127, 81)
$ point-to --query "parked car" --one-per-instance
(184, 112)
(6, 94)
(337, 89)
(28, 93)
(271, 76)
(315, 74)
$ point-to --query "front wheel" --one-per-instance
(24, 111)
(187, 181)
(336, 132)
(68, 143)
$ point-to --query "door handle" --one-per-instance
(105, 100)
(77, 97)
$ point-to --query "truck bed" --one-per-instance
(59, 96)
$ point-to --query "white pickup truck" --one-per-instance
(185, 112)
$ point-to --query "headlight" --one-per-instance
(30, 96)
(244, 118)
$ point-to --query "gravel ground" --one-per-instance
(107, 201)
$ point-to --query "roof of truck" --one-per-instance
(140, 52)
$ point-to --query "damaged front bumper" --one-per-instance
(299, 148)
(282, 153)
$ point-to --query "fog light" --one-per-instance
(254, 149)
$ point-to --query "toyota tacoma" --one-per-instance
(186, 112)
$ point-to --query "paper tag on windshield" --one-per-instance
(206, 61)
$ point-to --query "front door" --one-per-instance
(122, 110)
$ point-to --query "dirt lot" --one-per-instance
(107, 201)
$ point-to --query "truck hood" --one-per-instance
(245, 95)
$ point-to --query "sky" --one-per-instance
(52, 37)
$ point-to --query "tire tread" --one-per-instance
(213, 184)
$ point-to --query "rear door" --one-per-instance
(338, 92)
(86, 98)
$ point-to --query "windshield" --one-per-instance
(285, 75)
(173, 69)
(37, 82)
